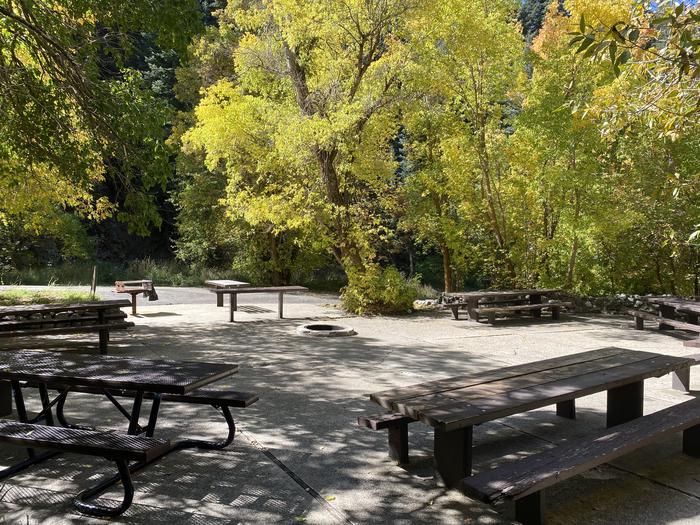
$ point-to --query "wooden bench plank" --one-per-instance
(110, 445)
(383, 421)
(59, 320)
(259, 289)
(200, 396)
(648, 316)
(414, 406)
(534, 473)
(459, 415)
(388, 398)
(23, 310)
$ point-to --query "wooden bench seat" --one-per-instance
(640, 316)
(492, 311)
(201, 396)
(397, 425)
(523, 481)
(120, 448)
(102, 329)
(32, 322)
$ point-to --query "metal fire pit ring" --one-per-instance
(325, 330)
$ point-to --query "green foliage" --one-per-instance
(379, 291)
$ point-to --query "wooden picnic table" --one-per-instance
(56, 319)
(452, 406)
(224, 283)
(137, 378)
(476, 299)
(672, 313)
(234, 291)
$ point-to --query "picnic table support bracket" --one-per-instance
(453, 454)
(530, 509)
(398, 444)
(691, 441)
(567, 409)
(102, 511)
(625, 403)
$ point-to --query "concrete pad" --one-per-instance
(299, 456)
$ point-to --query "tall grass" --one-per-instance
(13, 297)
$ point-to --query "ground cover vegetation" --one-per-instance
(365, 143)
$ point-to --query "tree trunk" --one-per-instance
(447, 268)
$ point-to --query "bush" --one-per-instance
(377, 291)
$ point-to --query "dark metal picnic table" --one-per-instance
(143, 378)
(473, 300)
(454, 405)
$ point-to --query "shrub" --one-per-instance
(377, 291)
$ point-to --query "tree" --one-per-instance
(72, 114)
(304, 130)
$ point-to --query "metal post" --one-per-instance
(280, 299)
(135, 413)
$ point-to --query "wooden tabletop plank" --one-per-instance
(224, 283)
(48, 308)
(542, 470)
(123, 373)
(259, 289)
(412, 407)
(388, 398)
(462, 414)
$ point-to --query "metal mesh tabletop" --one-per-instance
(127, 373)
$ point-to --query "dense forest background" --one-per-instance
(458, 143)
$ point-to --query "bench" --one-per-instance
(101, 319)
(134, 288)
(664, 322)
(492, 311)
(120, 448)
(397, 425)
(523, 481)
(233, 292)
(200, 396)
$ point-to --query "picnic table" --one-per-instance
(115, 377)
(56, 319)
(235, 290)
(223, 283)
(488, 303)
(672, 313)
(453, 406)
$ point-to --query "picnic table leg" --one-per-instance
(219, 300)
(5, 398)
(453, 454)
(530, 509)
(691, 441)
(472, 305)
(666, 312)
(133, 302)
(567, 409)
(555, 313)
(103, 333)
(625, 403)
(398, 444)
(680, 379)
(233, 305)
(455, 311)
(280, 300)
(536, 298)
(639, 323)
